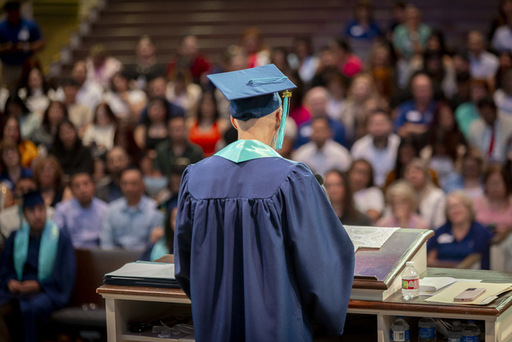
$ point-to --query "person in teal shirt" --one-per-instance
(411, 37)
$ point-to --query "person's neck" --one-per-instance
(206, 122)
(422, 105)
(260, 136)
(320, 144)
(86, 204)
(380, 142)
(496, 203)
(14, 170)
(477, 54)
(403, 221)
(36, 232)
(147, 61)
(461, 226)
(133, 202)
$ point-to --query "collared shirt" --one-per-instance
(483, 67)
(82, 224)
(408, 113)
(331, 156)
(502, 38)
(498, 150)
(130, 227)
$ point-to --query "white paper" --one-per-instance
(424, 293)
(145, 270)
(369, 237)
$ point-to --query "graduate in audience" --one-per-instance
(37, 273)
(252, 229)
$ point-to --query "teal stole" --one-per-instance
(159, 249)
(47, 250)
(245, 150)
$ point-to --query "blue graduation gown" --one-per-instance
(55, 291)
(260, 252)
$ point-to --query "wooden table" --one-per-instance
(124, 303)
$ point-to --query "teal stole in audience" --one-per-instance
(244, 150)
(159, 249)
(47, 250)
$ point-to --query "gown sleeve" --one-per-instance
(60, 285)
(7, 271)
(322, 252)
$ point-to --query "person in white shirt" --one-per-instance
(503, 96)
(126, 103)
(322, 153)
(502, 38)
(482, 64)
(379, 146)
(368, 198)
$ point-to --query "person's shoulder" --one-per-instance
(336, 148)
(362, 144)
(148, 203)
(117, 204)
(162, 147)
(63, 206)
(102, 205)
(481, 230)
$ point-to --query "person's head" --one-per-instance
(35, 78)
(54, 114)
(280, 59)
(505, 60)
(10, 155)
(117, 161)
(407, 151)
(327, 57)
(459, 208)
(82, 187)
(433, 65)
(208, 107)
(120, 82)
(238, 61)
(24, 185)
(363, 11)
(412, 16)
(189, 46)
(497, 184)
(444, 118)
(48, 173)
(70, 88)
(103, 115)
(79, 72)
(337, 86)
(178, 132)
(417, 174)
(360, 175)
(476, 42)
(506, 83)
(336, 184)
(145, 48)
(379, 124)
(401, 198)
(316, 100)
(398, 12)
(472, 164)
(436, 42)
(34, 211)
(157, 110)
(303, 47)
(461, 61)
(478, 89)
(421, 88)
(67, 136)
(98, 55)
(11, 130)
(361, 88)
(380, 56)
(157, 87)
(340, 49)
(12, 8)
(488, 110)
(251, 40)
(320, 131)
(15, 106)
(132, 184)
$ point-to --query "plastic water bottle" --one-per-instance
(400, 330)
(426, 330)
(455, 333)
(471, 333)
(410, 281)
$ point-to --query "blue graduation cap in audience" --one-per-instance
(254, 93)
(32, 199)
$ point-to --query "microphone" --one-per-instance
(320, 181)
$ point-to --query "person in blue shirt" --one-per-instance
(20, 38)
(460, 236)
(363, 26)
(37, 273)
(258, 248)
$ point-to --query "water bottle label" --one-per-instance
(471, 338)
(454, 339)
(400, 336)
(427, 332)
(410, 284)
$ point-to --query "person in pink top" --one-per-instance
(401, 198)
(348, 63)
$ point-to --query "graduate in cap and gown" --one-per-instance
(258, 248)
(37, 273)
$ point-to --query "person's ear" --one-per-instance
(233, 122)
(278, 117)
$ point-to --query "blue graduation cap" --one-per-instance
(32, 199)
(254, 93)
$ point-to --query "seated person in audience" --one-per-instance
(79, 114)
(82, 216)
(316, 101)
(379, 147)
(131, 220)
(415, 116)
(35, 91)
(37, 273)
(189, 55)
(48, 176)
(207, 128)
(52, 117)
(410, 38)
(363, 26)
(99, 135)
(252, 45)
(467, 112)
(403, 205)
(176, 147)
(154, 129)
(502, 37)
(337, 87)
(10, 133)
(118, 160)
(101, 67)
(503, 96)
(342, 200)
(431, 199)
(483, 65)
(347, 62)
(469, 180)
(10, 217)
(158, 89)
(29, 122)
(183, 92)
(72, 155)
(326, 68)
(165, 245)
(322, 153)
(491, 134)
(10, 162)
(303, 59)
(460, 236)
(127, 104)
(147, 67)
(368, 198)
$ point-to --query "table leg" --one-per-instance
(114, 324)
(384, 323)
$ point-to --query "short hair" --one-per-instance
(132, 168)
(487, 102)
(80, 173)
(461, 196)
(69, 82)
(403, 189)
(379, 111)
(502, 171)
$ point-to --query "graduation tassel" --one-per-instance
(282, 127)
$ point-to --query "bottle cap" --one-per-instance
(409, 263)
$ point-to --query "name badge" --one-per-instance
(356, 31)
(445, 238)
(306, 131)
(23, 35)
(413, 116)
